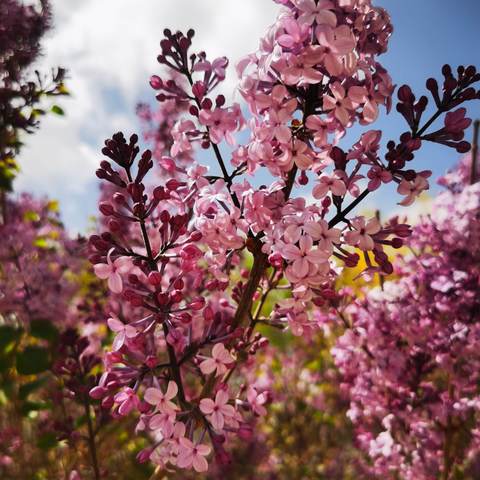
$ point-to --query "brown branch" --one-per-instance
(473, 166)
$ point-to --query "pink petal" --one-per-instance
(172, 390)
(207, 366)
(200, 464)
(207, 405)
(153, 396)
(102, 270)
(115, 283)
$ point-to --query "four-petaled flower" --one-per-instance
(122, 330)
(218, 363)
(217, 410)
(113, 270)
(257, 401)
(332, 183)
(163, 401)
(361, 236)
(191, 454)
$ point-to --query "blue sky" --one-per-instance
(109, 70)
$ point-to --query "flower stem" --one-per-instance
(91, 437)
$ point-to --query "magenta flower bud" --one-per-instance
(173, 184)
(463, 147)
(405, 94)
(222, 457)
(387, 267)
(193, 110)
(450, 84)
(397, 242)
(114, 225)
(208, 314)
(447, 70)
(245, 431)
(195, 236)
(159, 193)
(275, 260)
(197, 303)
(178, 284)
(220, 101)
(207, 104)
(185, 318)
(106, 209)
(318, 301)
(263, 342)
(112, 384)
(107, 402)
(98, 392)
(403, 230)
(154, 278)
(303, 179)
(184, 44)
(199, 90)
(352, 260)
(176, 297)
(164, 217)
(156, 82)
(139, 210)
(144, 455)
(163, 298)
(326, 202)
(190, 252)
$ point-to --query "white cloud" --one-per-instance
(110, 49)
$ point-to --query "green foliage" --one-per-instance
(43, 329)
(57, 110)
(33, 360)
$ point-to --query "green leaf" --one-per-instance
(28, 407)
(28, 388)
(32, 360)
(57, 110)
(40, 242)
(8, 337)
(47, 440)
(44, 329)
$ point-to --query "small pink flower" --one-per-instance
(321, 129)
(220, 359)
(318, 12)
(217, 410)
(361, 96)
(122, 330)
(303, 256)
(337, 43)
(191, 454)
(257, 401)
(377, 175)
(294, 33)
(332, 183)
(163, 421)
(320, 232)
(113, 270)
(361, 236)
(300, 155)
(338, 103)
(128, 401)
(412, 189)
(154, 396)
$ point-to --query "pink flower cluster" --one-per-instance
(38, 260)
(176, 248)
(411, 357)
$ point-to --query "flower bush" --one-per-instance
(212, 333)
(193, 256)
